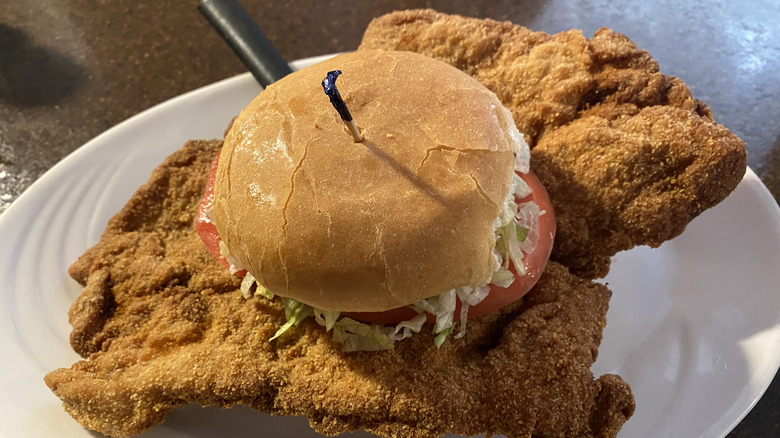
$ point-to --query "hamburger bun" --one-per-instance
(406, 214)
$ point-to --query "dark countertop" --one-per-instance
(72, 69)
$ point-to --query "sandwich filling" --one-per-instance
(517, 232)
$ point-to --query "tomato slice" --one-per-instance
(498, 296)
(204, 226)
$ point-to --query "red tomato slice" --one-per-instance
(204, 226)
(498, 297)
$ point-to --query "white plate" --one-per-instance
(694, 326)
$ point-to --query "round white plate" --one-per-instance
(694, 326)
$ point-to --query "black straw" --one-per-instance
(246, 39)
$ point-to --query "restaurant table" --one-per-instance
(70, 69)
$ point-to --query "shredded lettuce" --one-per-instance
(246, 288)
(441, 337)
(442, 307)
(352, 335)
(357, 336)
(512, 235)
(444, 310)
(528, 217)
(405, 329)
(502, 278)
(326, 318)
(521, 188)
(469, 297)
(521, 232)
(246, 285)
(235, 265)
(295, 312)
(523, 151)
(263, 291)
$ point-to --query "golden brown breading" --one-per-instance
(162, 324)
(630, 158)
(637, 178)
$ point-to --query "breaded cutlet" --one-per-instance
(161, 323)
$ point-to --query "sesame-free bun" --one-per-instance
(406, 214)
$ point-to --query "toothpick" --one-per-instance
(329, 85)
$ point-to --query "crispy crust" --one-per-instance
(627, 154)
(166, 326)
(404, 215)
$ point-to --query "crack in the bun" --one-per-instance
(446, 148)
(380, 250)
(406, 172)
(392, 69)
(482, 192)
(316, 200)
(284, 210)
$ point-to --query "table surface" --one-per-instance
(70, 69)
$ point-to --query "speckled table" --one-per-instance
(70, 69)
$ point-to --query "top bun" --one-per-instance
(406, 214)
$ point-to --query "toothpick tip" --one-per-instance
(353, 129)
